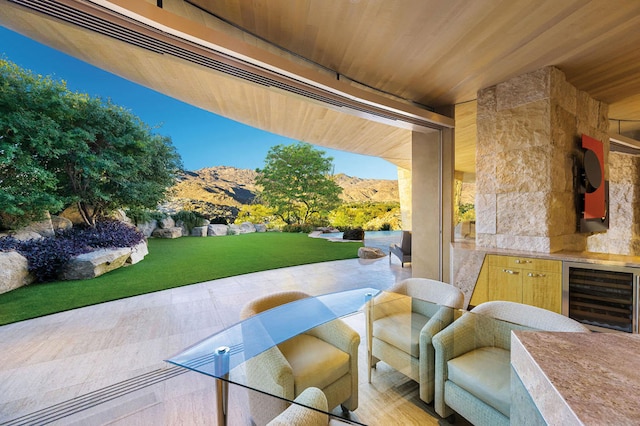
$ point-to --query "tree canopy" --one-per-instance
(59, 147)
(296, 182)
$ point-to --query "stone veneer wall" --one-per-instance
(527, 129)
(623, 236)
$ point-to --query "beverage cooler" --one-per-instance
(602, 297)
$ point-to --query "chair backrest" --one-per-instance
(528, 316)
(270, 301)
(431, 291)
(405, 242)
(300, 415)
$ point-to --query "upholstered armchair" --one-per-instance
(325, 357)
(402, 322)
(473, 359)
(403, 250)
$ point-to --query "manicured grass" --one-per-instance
(174, 263)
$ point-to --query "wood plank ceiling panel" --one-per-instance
(440, 52)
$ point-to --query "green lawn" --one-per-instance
(174, 263)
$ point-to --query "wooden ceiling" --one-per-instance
(428, 52)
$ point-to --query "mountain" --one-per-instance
(227, 186)
(222, 190)
(355, 189)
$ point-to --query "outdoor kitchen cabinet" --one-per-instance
(531, 281)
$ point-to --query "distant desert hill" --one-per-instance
(355, 189)
(228, 188)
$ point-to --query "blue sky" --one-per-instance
(203, 139)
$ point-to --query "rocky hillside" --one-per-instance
(227, 186)
(225, 189)
(355, 189)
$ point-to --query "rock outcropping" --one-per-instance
(14, 271)
(95, 263)
(99, 262)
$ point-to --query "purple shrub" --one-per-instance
(47, 256)
(107, 234)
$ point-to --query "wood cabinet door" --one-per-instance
(542, 289)
(505, 284)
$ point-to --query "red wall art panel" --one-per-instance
(594, 198)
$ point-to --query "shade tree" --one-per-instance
(296, 183)
(60, 147)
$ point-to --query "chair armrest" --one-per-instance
(271, 372)
(457, 339)
(343, 337)
(442, 318)
(395, 249)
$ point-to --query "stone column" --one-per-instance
(527, 132)
(623, 236)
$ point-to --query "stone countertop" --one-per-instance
(580, 378)
(565, 255)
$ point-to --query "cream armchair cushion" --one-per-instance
(325, 357)
(472, 359)
(402, 323)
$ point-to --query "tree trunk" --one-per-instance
(87, 217)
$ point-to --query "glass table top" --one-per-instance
(266, 330)
(228, 355)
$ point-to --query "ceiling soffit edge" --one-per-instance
(149, 27)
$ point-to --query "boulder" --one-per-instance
(370, 253)
(147, 228)
(60, 223)
(43, 227)
(173, 232)
(14, 271)
(94, 264)
(121, 216)
(353, 234)
(261, 227)
(215, 230)
(199, 231)
(23, 235)
(185, 230)
(167, 222)
(247, 228)
(234, 229)
(328, 230)
(138, 252)
(73, 214)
